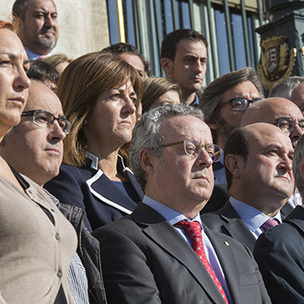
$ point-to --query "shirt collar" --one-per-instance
(252, 217)
(32, 56)
(94, 160)
(171, 215)
(195, 102)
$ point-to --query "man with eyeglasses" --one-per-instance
(280, 112)
(224, 103)
(35, 149)
(152, 255)
(258, 161)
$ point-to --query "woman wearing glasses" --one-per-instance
(100, 94)
(36, 242)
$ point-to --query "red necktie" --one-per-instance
(194, 231)
(269, 223)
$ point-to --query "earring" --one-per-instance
(85, 122)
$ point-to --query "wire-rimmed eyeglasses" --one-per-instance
(240, 103)
(193, 148)
(41, 118)
(287, 124)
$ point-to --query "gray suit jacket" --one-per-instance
(145, 260)
(227, 221)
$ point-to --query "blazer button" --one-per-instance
(57, 236)
(59, 274)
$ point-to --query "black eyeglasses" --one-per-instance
(287, 124)
(193, 148)
(41, 118)
(240, 104)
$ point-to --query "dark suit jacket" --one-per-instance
(280, 254)
(227, 220)
(217, 200)
(145, 260)
(92, 191)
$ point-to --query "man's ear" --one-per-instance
(166, 65)
(16, 24)
(233, 164)
(146, 160)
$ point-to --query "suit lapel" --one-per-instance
(229, 264)
(104, 190)
(154, 226)
(236, 227)
(286, 210)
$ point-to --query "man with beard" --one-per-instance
(36, 24)
(258, 160)
(224, 103)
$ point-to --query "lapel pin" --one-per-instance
(227, 243)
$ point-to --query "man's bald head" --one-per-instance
(270, 110)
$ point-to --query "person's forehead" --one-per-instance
(268, 136)
(43, 98)
(187, 46)
(286, 109)
(242, 88)
(11, 43)
(133, 60)
(47, 5)
(185, 127)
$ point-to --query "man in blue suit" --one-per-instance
(147, 256)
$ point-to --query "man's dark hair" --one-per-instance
(19, 9)
(122, 47)
(42, 71)
(170, 41)
(237, 144)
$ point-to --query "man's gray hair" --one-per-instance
(286, 87)
(147, 134)
(298, 159)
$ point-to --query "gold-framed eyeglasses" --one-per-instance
(193, 148)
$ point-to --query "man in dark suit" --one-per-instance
(258, 161)
(279, 251)
(147, 256)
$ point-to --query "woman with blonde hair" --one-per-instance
(158, 92)
(99, 94)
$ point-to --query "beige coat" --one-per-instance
(34, 253)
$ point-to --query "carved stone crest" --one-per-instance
(277, 61)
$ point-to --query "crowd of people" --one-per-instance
(121, 187)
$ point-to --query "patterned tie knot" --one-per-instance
(194, 230)
(269, 223)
